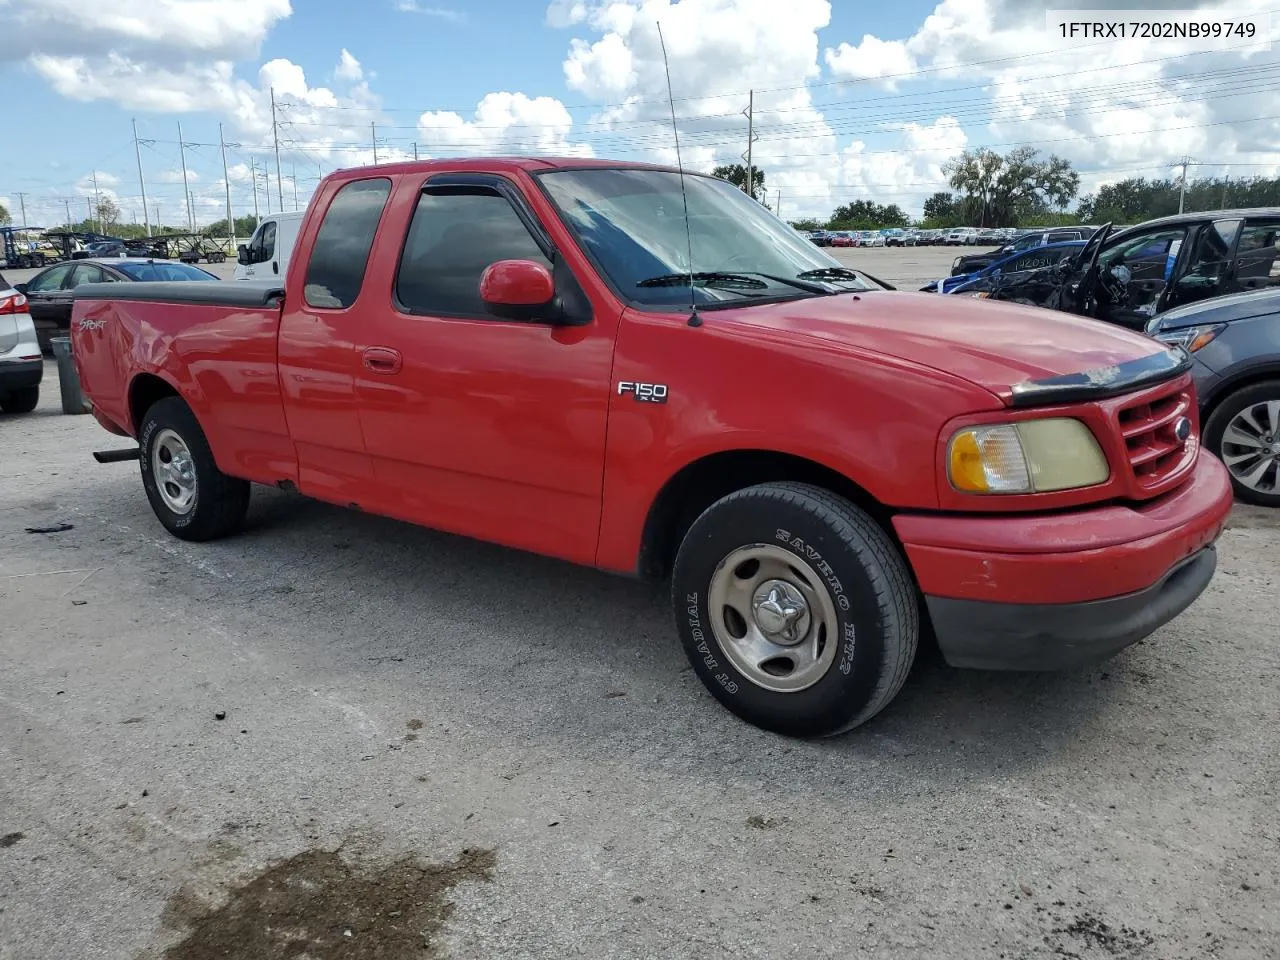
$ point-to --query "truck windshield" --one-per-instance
(632, 223)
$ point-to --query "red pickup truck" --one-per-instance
(582, 359)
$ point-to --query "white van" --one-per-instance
(266, 255)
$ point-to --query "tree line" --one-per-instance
(1023, 189)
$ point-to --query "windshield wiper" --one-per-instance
(708, 277)
(829, 273)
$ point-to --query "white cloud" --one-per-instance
(504, 123)
(175, 176)
(872, 59)
(440, 13)
(348, 67)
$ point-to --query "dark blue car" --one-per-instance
(1034, 259)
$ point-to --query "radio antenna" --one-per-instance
(694, 319)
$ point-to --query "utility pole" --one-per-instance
(22, 204)
(750, 115)
(67, 206)
(1225, 180)
(415, 149)
(155, 208)
(141, 183)
(226, 179)
(295, 187)
(777, 207)
(253, 174)
(1182, 186)
(373, 133)
(275, 134)
(88, 205)
(97, 204)
(182, 152)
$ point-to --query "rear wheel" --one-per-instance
(189, 494)
(20, 401)
(796, 610)
(1244, 433)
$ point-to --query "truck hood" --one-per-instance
(992, 344)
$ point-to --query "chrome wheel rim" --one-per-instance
(773, 617)
(174, 471)
(1251, 447)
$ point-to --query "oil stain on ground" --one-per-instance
(316, 906)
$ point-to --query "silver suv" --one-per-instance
(21, 365)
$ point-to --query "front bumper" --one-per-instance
(1043, 592)
(20, 374)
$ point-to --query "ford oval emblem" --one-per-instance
(1182, 429)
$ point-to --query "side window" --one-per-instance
(266, 243)
(1027, 242)
(1258, 256)
(455, 234)
(51, 279)
(87, 273)
(1061, 236)
(335, 272)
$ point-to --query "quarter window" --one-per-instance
(335, 272)
(1258, 258)
(456, 233)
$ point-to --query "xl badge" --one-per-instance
(1182, 429)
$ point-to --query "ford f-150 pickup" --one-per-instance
(627, 367)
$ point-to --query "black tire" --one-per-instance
(1216, 427)
(20, 401)
(871, 590)
(220, 501)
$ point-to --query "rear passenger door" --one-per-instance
(319, 330)
(1207, 272)
(1257, 264)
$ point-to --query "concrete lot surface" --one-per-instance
(346, 734)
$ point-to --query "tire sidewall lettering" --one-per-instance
(848, 630)
(697, 632)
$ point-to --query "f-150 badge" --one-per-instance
(644, 392)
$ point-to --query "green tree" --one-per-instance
(4, 215)
(107, 213)
(1137, 198)
(244, 227)
(808, 224)
(867, 215)
(996, 190)
(736, 174)
(941, 209)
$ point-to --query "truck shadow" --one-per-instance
(618, 645)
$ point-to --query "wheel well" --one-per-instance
(1241, 381)
(145, 390)
(701, 483)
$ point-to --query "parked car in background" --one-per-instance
(972, 262)
(961, 236)
(49, 292)
(1007, 268)
(870, 238)
(105, 248)
(842, 238)
(21, 365)
(820, 238)
(894, 237)
(1129, 277)
(1234, 342)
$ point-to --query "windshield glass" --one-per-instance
(162, 271)
(632, 223)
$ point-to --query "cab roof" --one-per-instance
(501, 165)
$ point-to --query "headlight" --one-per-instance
(1035, 456)
(1191, 339)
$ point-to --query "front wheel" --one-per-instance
(189, 494)
(1244, 433)
(797, 611)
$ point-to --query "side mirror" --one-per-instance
(242, 255)
(518, 290)
(21, 288)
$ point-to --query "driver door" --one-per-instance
(1132, 274)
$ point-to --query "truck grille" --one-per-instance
(1149, 429)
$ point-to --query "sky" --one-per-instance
(853, 99)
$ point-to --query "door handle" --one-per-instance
(382, 360)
